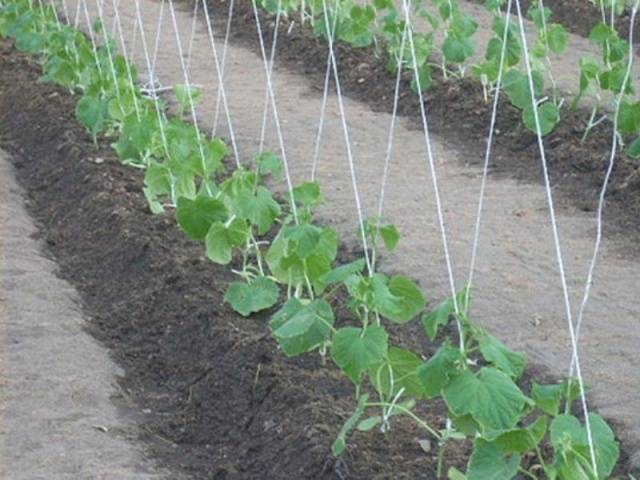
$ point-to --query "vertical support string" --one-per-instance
(221, 88)
(347, 141)
(556, 239)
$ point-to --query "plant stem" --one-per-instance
(409, 413)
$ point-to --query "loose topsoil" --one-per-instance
(219, 400)
(458, 113)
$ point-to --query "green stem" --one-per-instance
(527, 473)
(410, 414)
(441, 448)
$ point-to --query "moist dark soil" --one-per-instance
(580, 16)
(218, 399)
(458, 112)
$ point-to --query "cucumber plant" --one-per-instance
(235, 214)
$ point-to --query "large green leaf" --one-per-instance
(490, 396)
(516, 86)
(503, 358)
(398, 299)
(196, 216)
(548, 116)
(301, 328)
(547, 397)
(340, 274)
(557, 38)
(488, 462)
(397, 371)
(356, 350)
(569, 436)
(440, 369)
(522, 440)
(440, 316)
(248, 298)
(222, 238)
(260, 208)
(92, 113)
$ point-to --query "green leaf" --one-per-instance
(301, 328)
(340, 442)
(340, 274)
(92, 113)
(516, 86)
(423, 80)
(222, 238)
(214, 153)
(523, 440)
(195, 217)
(497, 353)
(248, 298)
(634, 148)
(369, 423)
(436, 373)
(557, 38)
(568, 435)
(457, 49)
(629, 118)
(356, 350)
(440, 316)
(270, 164)
(308, 194)
(548, 117)
(454, 473)
(399, 299)
(260, 208)
(490, 396)
(397, 370)
(390, 236)
(187, 95)
(488, 462)
(547, 397)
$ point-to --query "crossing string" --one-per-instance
(556, 240)
(347, 141)
(221, 88)
(274, 108)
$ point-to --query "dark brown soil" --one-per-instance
(458, 112)
(219, 400)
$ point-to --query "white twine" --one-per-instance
(487, 156)
(265, 108)
(556, 240)
(221, 88)
(434, 177)
(192, 106)
(276, 116)
(325, 95)
(159, 113)
(347, 141)
(123, 46)
(223, 64)
(605, 184)
(392, 124)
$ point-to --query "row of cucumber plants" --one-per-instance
(296, 278)
(381, 24)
